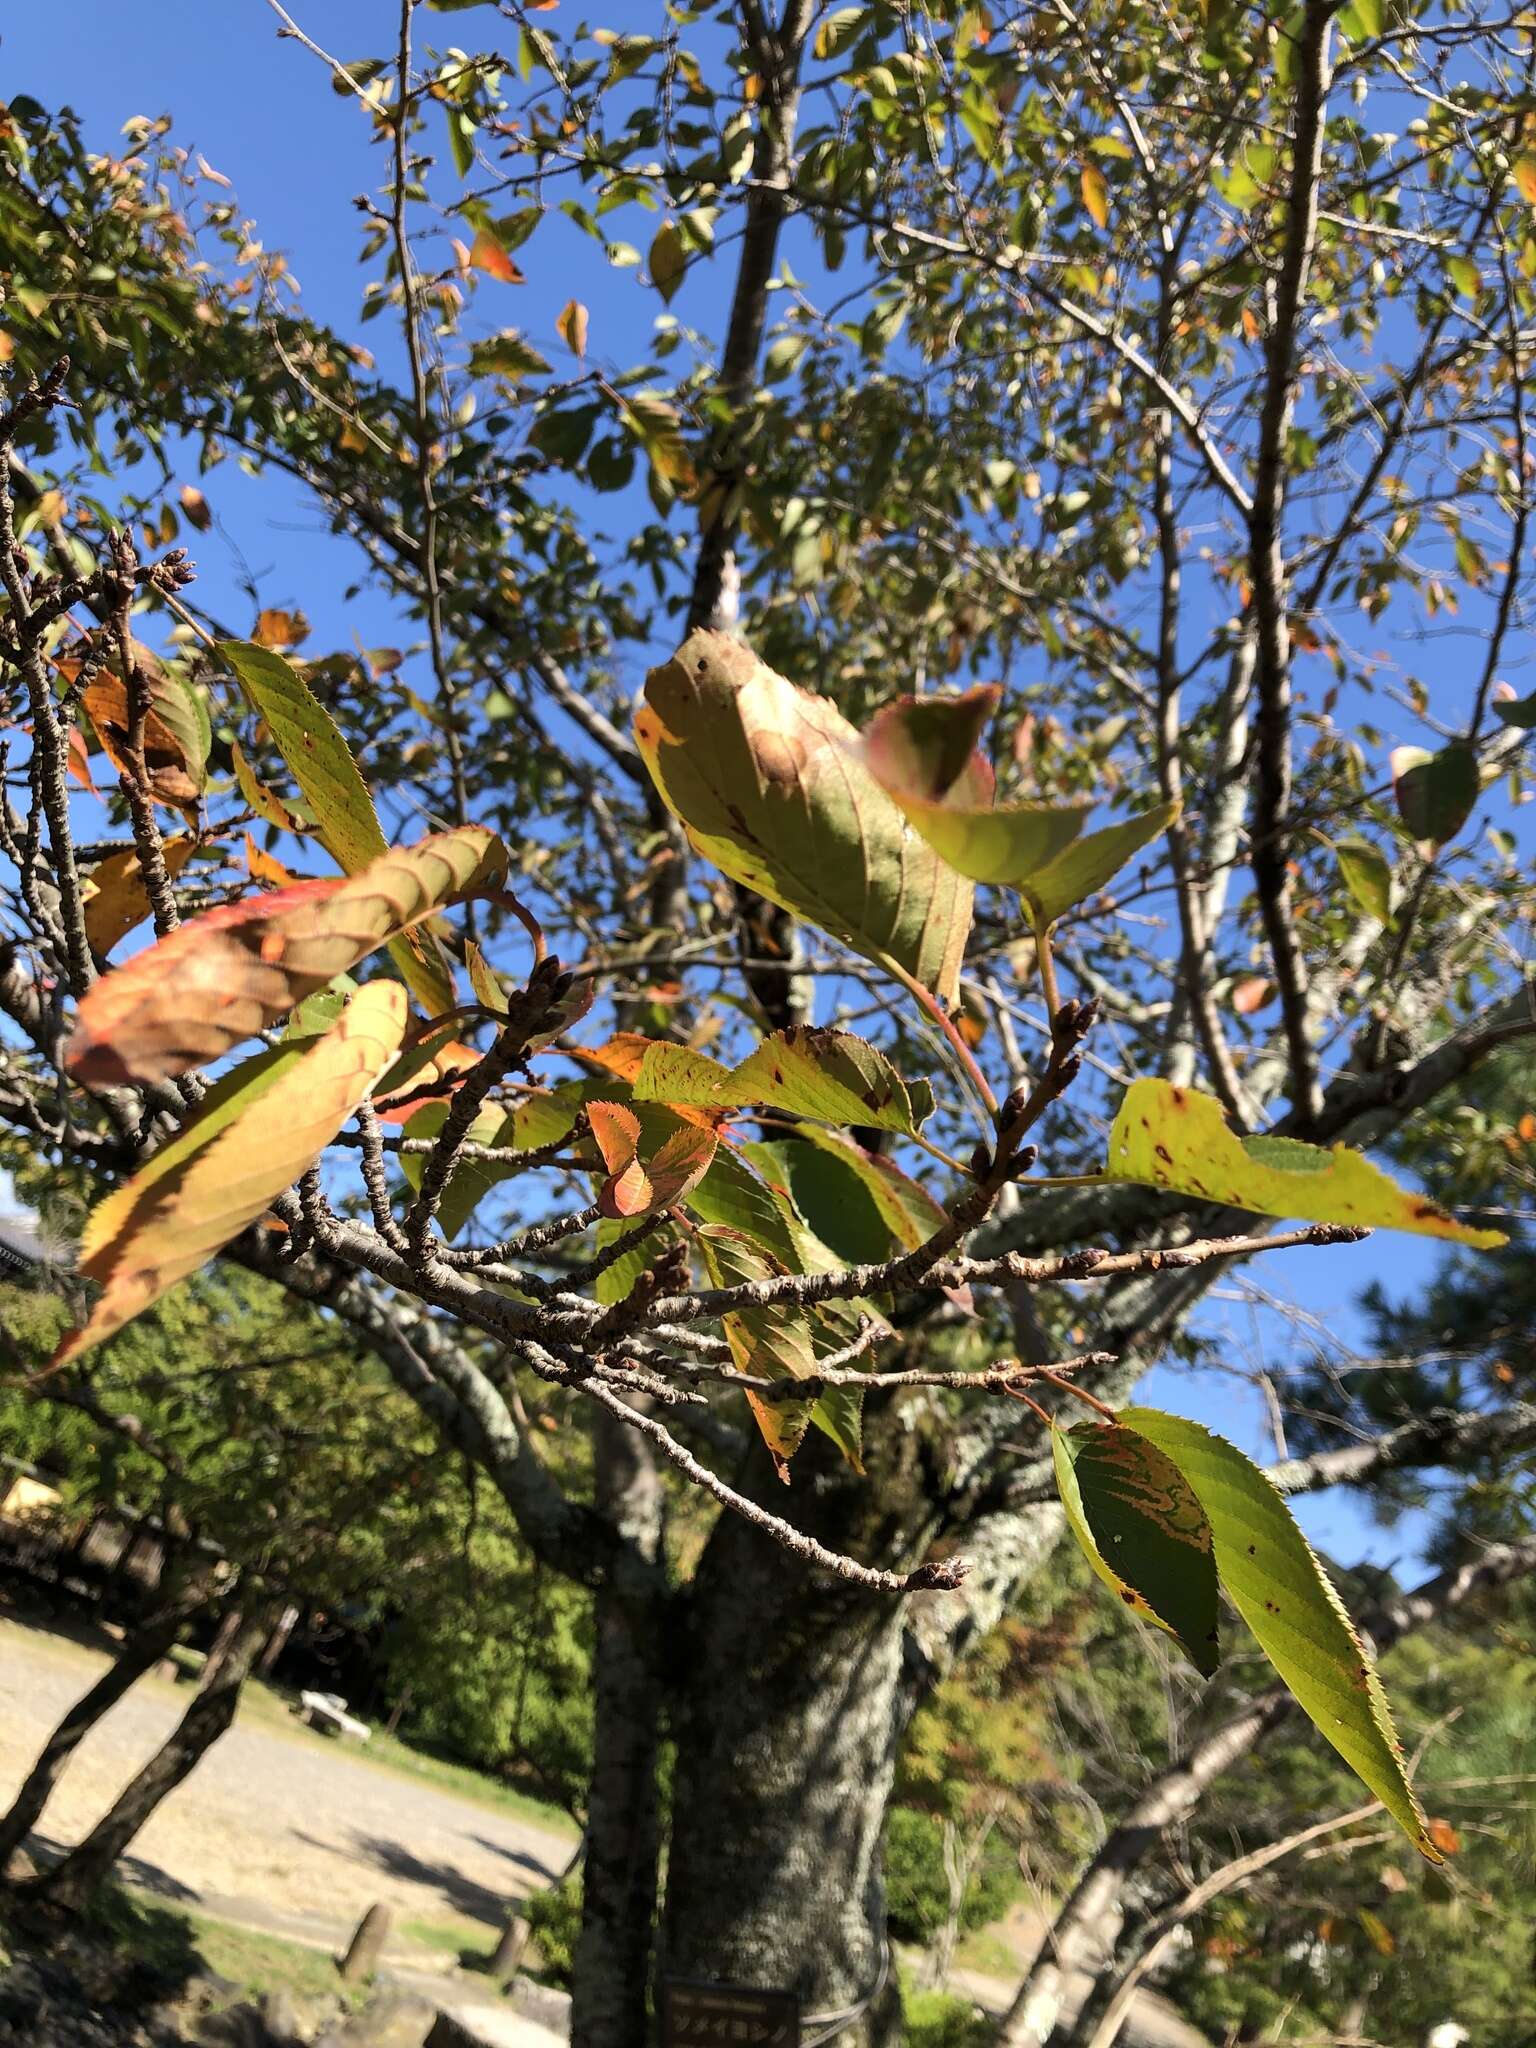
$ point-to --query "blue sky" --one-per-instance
(263, 113)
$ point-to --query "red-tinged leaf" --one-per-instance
(635, 1187)
(427, 1072)
(115, 898)
(1251, 993)
(255, 1135)
(280, 630)
(487, 253)
(231, 973)
(78, 761)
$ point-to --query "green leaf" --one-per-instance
(1281, 1591)
(1519, 712)
(1367, 874)
(772, 1342)
(1436, 793)
(922, 751)
(839, 30)
(472, 1179)
(510, 355)
(318, 758)
(668, 260)
(1179, 1138)
(1142, 1529)
(829, 1075)
(766, 779)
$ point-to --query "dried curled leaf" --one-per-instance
(829, 1075)
(229, 974)
(922, 751)
(1179, 1138)
(175, 733)
(767, 780)
(258, 1132)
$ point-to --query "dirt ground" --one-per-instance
(274, 1828)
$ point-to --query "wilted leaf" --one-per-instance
(195, 505)
(1282, 1592)
(1179, 1138)
(766, 779)
(115, 898)
(1095, 194)
(922, 751)
(319, 760)
(1251, 993)
(257, 1132)
(771, 1343)
(637, 1187)
(1435, 793)
(572, 327)
(1367, 875)
(259, 797)
(280, 630)
(1142, 1529)
(829, 1075)
(488, 253)
(230, 973)
(175, 741)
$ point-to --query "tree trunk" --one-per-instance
(611, 1974)
(140, 1652)
(72, 1882)
(787, 1712)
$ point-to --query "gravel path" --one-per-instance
(276, 1828)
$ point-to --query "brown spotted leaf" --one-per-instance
(829, 1075)
(256, 1133)
(1179, 1138)
(636, 1186)
(231, 973)
(767, 780)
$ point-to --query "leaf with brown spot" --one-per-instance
(280, 630)
(114, 896)
(175, 746)
(232, 972)
(1179, 1138)
(255, 1135)
(767, 781)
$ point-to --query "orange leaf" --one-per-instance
(115, 898)
(1444, 1837)
(486, 253)
(279, 629)
(232, 972)
(195, 505)
(166, 757)
(264, 868)
(1251, 993)
(1095, 194)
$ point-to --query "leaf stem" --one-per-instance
(1080, 1393)
(936, 1011)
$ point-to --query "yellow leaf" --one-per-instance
(279, 629)
(1095, 194)
(1179, 1138)
(168, 1220)
(572, 327)
(115, 899)
(1525, 179)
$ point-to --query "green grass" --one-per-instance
(258, 1963)
(454, 1937)
(989, 1955)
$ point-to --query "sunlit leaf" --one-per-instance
(1142, 1529)
(1179, 1138)
(637, 1186)
(766, 780)
(1282, 1592)
(257, 1132)
(1095, 194)
(829, 1075)
(175, 745)
(259, 797)
(115, 898)
(488, 253)
(228, 974)
(572, 327)
(472, 1180)
(321, 764)
(668, 260)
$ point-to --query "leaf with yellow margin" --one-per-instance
(226, 1168)
(1179, 1138)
